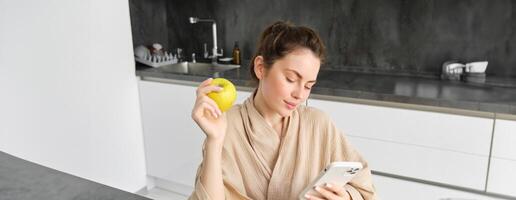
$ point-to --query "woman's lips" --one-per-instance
(290, 106)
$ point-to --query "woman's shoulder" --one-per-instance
(234, 120)
(313, 113)
(318, 122)
(234, 110)
(234, 114)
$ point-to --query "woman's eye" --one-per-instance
(290, 80)
(309, 86)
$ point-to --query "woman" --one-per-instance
(271, 146)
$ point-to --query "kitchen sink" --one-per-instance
(198, 68)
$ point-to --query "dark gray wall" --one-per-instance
(149, 22)
(411, 36)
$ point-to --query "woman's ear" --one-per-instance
(259, 67)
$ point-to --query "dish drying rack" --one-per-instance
(157, 60)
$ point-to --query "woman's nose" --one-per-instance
(299, 93)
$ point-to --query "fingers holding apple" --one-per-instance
(206, 108)
(204, 103)
(206, 87)
(207, 112)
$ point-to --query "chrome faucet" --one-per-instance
(215, 53)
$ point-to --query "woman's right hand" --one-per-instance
(207, 114)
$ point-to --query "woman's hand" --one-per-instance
(207, 114)
(331, 192)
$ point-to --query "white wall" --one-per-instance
(68, 93)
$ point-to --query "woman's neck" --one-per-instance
(271, 117)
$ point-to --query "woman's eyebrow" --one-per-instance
(299, 75)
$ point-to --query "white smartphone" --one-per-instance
(338, 173)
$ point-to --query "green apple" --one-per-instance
(226, 97)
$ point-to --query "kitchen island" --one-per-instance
(24, 180)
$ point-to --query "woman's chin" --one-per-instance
(285, 112)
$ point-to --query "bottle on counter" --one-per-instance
(236, 54)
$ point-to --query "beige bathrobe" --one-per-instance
(257, 164)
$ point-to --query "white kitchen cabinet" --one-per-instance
(502, 171)
(173, 141)
(438, 147)
(423, 163)
(242, 96)
(392, 188)
(504, 139)
(502, 177)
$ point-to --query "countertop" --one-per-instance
(24, 180)
(497, 95)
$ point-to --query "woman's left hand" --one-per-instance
(331, 192)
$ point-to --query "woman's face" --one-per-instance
(288, 82)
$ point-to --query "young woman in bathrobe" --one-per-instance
(272, 146)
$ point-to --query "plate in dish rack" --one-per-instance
(154, 64)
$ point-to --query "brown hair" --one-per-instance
(281, 38)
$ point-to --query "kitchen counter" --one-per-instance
(24, 180)
(495, 96)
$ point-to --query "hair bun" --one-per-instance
(283, 37)
(276, 28)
